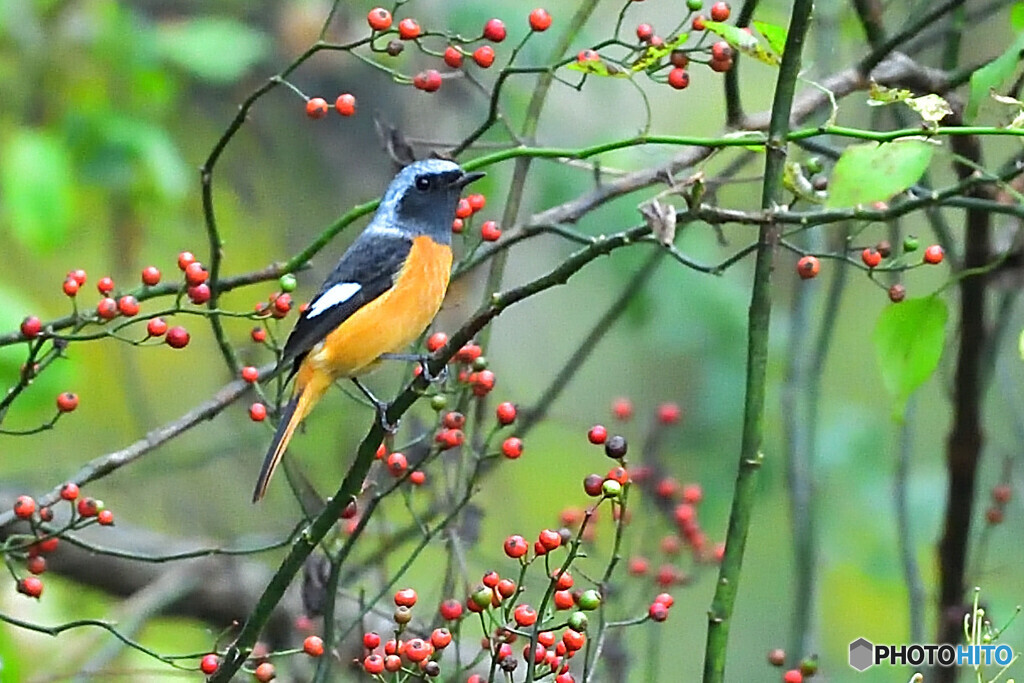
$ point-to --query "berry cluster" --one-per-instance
(808, 266)
(807, 669)
(32, 549)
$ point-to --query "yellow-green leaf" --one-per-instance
(775, 35)
(599, 67)
(992, 76)
(909, 338)
(931, 108)
(879, 95)
(872, 173)
(744, 42)
(655, 53)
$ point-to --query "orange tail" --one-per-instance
(292, 414)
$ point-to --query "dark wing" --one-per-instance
(365, 271)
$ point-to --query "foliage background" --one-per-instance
(109, 107)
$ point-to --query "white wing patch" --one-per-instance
(338, 294)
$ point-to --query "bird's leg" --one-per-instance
(379, 405)
(421, 358)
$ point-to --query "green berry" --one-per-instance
(578, 622)
(438, 402)
(910, 243)
(589, 599)
(695, 5)
(611, 489)
(287, 282)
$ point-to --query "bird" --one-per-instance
(384, 291)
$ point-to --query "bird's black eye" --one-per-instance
(422, 183)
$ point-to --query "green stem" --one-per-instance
(721, 610)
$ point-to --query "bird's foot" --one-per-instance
(424, 363)
(380, 406)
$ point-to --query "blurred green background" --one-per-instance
(108, 108)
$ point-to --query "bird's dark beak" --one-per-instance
(467, 178)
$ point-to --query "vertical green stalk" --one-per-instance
(720, 613)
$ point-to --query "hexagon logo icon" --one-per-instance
(861, 654)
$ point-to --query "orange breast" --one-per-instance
(389, 323)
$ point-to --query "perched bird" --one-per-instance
(383, 293)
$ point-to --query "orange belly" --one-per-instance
(390, 322)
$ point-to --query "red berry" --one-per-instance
(106, 308)
(78, 276)
(463, 209)
(934, 254)
(177, 337)
(793, 676)
(622, 408)
(128, 305)
(282, 304)
(427, 81)
(491, 579)
(721, 51)
(185, 258)
(720, 65)
(525, 615)
(209, 663)
(105, 285)
(679, 58)
(371, 640)
(506, 413)
(720, 11)
(408, 29)
(693, 494)
(250, 374)
(871, 257)
(87, 507)
(313, 646)
(587, 56)
(512, 448)
(379, 19)
(644, 32)
(105, 517)
(574, 640)
(392, 663)
(483, 382)
(678, 78)
(195, 273)
(658, 611)
(593, 484)
(484, 56)
(808, 267)
(494, 30)
(373, 664)
(150, 276)
(457, 225)
(450, 610)
(24, 507)
(31, 327)
(316, 108)
(67, 402)
(490, 232)
(597, 434)
(994, 515)
(257, 412)
(71, 286)
(549, 539)
(639, 566)
(397, 464)
(69, 491)
(453, 57)
(665, 599)
(698, 22)
(454, 420)
(476, 202)
(345, 104)
(156, 327)
(31, 586)
(515, 546)
(436, 341)
(777, 656)
(264, 672)
(540, 20)
(258, 334)
(406, 597)
(669, 413)
(440, 638)
(1001, 493)
(564, 582)
(506, 588)
(417, 478)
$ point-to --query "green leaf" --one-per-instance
(872, 173)
(214, 49)
(992, 76)
(909, 338)
(775, 35)
(655, 53)
(879, 95)
(1017, 16)
(599, 67)
(744, 42)
(1020, 344)
(37, 189)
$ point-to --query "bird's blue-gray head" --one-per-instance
(422, 199)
